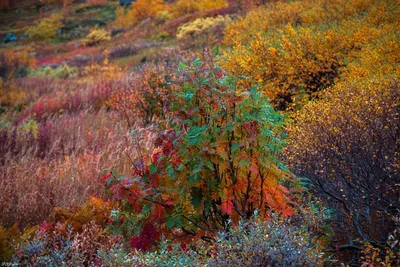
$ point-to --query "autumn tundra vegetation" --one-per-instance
(200, 133)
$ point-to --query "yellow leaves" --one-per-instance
(296, 49)
(96, 36)
(184, 7)
(31, 127)
(201, 26)
(122, 19)
(141, 10)
(46, 29)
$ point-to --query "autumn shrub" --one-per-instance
(172, 25)
(296, 49)
(201, 26)
(63, 71)
(141, 96)
(11, 96)
(347, 145)
(183, 7)
(7, 239)
(63, 247)
(121, 18)
(163, 16)
(15, 64)
(143, 9)
(213, 161)
(96, 36)
(46, 29)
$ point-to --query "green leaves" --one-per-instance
(193, 135)
(214, 147)
(197, 196)
(171, 171)
(181, 66)
(175, 219)
(153, 168)
(194, 179)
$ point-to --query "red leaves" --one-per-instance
(156, 156)
(146, 239)
(45, 226)
(105, 177)
(140, 243)
(227, 206)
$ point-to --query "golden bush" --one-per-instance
(201, 26)
(296, 49)
(46, 29)
(96, 36)
(184, 7)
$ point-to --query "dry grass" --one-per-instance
(61, 165)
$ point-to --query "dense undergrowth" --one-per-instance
(200, 133)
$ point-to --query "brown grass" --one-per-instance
(61, 165)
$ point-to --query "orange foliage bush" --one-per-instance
(143, 9)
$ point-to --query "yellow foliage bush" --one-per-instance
(11, 95)
(96, 36)
(121, 18)
(163, 16)
(201, 26)
(14, 64)
(143, 9)
(295, 49)
(184, 7)
(46, 29)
